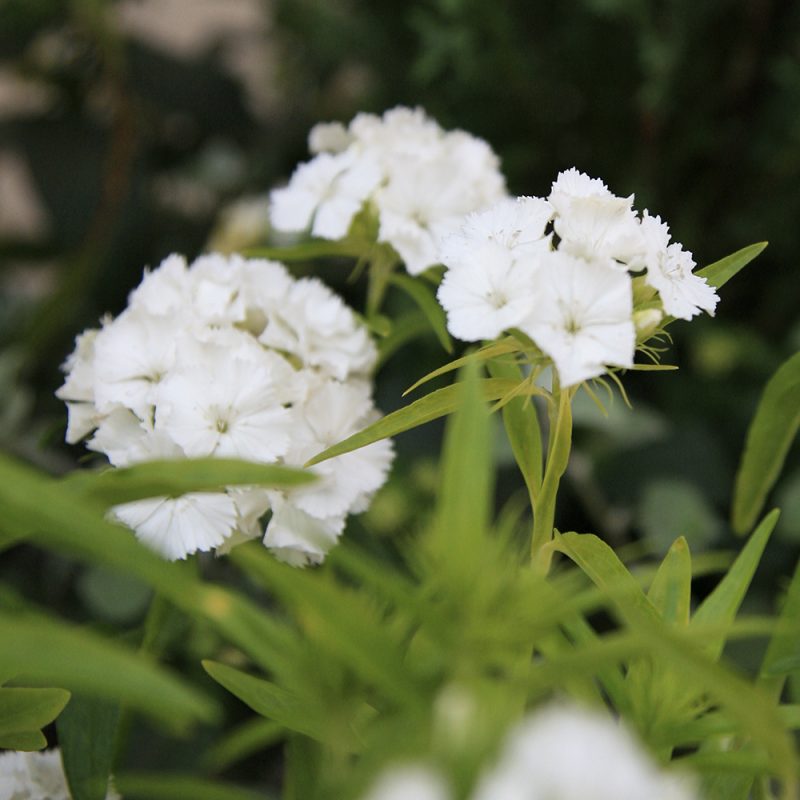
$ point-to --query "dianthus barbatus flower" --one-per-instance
(419, 179)
(560, 270)
(36, 776)
(231, 358)
(567, 753)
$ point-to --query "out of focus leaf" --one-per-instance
(428, 304)
(769, 438)
(87, 737)
(720, 272)
(28, 710)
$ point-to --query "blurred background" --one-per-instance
(137, 128)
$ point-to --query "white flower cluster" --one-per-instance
(231, 358)
(559, 753)
(559, 269)
(419, 179)
(35, 776)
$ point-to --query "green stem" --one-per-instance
(558, 449)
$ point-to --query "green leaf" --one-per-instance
(32, 503)
(492, 350)
(306, 251)
(720, 272)
(522, 428)
(769, 438)
(434, 405)
(28, 710)
(251, 737)
(339, 621)
(783, 651)
(27, 741)
(720, 607)
(48, 651)
(87, 737)
(603, 567)
(463, 508)
(166, 786)
(174, 478)
(428, 304)
(671, 590)
(272, 701)
(303, 759)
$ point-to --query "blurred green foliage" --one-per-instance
(133, 148)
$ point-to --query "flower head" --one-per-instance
(560, 271)
(231, 358)
(418, 179)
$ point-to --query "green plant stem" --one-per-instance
(558, 449)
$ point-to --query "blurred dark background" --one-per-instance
(132, 129)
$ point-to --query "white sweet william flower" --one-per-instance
(329, 190)
(316, 326)
(36, 776)
(229, 357)
(492, 261)
(409, 782)
(581, 315)
(571, 754)
(669, 271)
(416, 177)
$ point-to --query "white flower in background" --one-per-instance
(410, 782)
(566, 753)
(35, 776)
(419, 179)
(560, 270)
(231, 358)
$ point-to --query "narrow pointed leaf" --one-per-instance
(466, 485)
(255, 735)
(434, 405)
(522, 428)
(405, 328)
(769, 438)
(272, 701)
(486, 353)
(602, 565)
(426, 300)
(720, 607)
(720, 272)
(174, 478)
(671, 590)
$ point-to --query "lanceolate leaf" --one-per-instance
(272, 701)
(428, 304)
(87, 737)
(783, 651)
(671, 590)
(486, 353)
(465, 494)
(305, 251)
(769, 438)
(720, 607)
(174, 478)
(434, 405)
(522, 428)
(720, 272)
